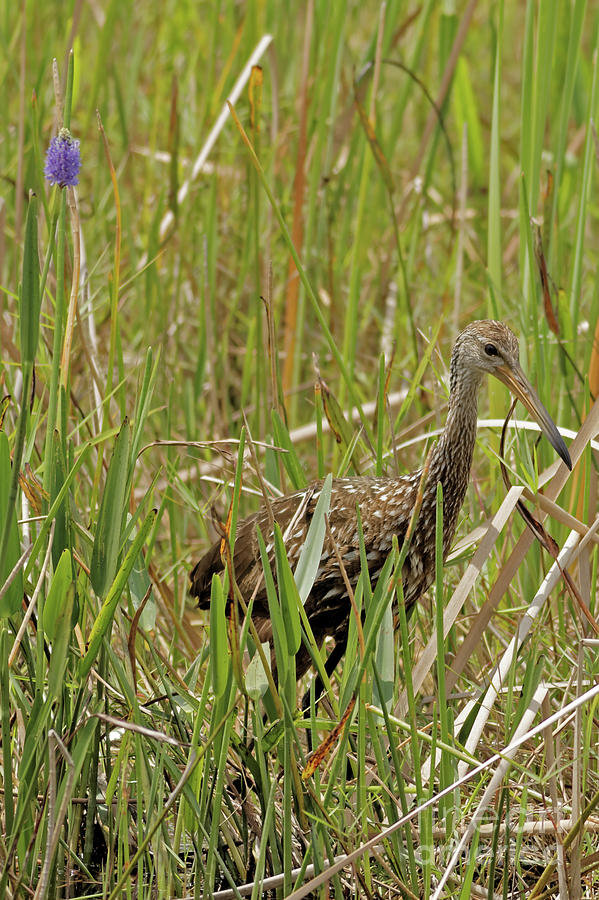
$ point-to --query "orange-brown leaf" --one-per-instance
(315, 759)
(33, 490)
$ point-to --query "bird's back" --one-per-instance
(385, 505)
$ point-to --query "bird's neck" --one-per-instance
(451, 457)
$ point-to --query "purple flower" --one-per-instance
(63, 160)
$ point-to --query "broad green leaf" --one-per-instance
(307, 566)
(139, 582)
(30, 288)
(288, 595)
(11, 602)
(256, 682)
(273, 736)
(385, 660)
(40, 541)
(53, 619)
(220, 660)
(107, 541)
(104, 620)
(61, 640)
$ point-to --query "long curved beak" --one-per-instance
(520, 386)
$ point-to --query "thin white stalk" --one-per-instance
(268, 884)
(568, 554)
(493, 785)
(169, 218)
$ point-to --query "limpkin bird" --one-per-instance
(484, 347)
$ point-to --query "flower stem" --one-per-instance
(57, 343)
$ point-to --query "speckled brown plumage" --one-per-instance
(385, 503)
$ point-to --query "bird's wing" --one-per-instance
(292, 513)
(384, 504)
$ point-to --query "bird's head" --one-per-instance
(488, 347)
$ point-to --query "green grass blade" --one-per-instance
(220, 660)
(288, 594)
(30, 288)
(494, 259)
(107, 540)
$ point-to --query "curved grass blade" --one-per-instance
(104, 620)
(220, 659)
(288, 595)
(30, 288)
(278, 627)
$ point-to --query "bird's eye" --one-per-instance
(491, 350)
